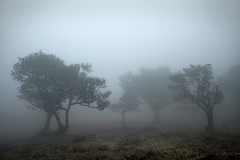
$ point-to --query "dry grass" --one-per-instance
(142, 143)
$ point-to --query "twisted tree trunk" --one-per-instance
(61, 129)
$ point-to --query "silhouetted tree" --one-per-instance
(196, 84)
(39, 75)
(47, 83)
(153, 88)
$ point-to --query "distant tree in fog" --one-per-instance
(196, 84)
(128, 82)
(48, 84)
(153, 88)
(128, 102)
(232, 83)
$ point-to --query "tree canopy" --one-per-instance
(40, 77)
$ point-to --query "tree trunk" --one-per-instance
(210, 127)
(49, 117)
(45, 131)
(66, 119)
(123, 122)
(61, 129)
(60, 126)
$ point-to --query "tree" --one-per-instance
(39, 74)
(47, 83)
(231, 81)
(129, 82)
(196, 84)
(83, 90)
(153, 88)
(126, 103)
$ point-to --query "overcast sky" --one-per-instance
(118, 36)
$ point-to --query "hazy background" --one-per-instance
(115, 37)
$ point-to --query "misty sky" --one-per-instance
(118, 36)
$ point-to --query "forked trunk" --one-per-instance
(60, 126)
(45, 131)
(61, 129)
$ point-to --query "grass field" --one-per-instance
(130, 143)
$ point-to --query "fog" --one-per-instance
(114, 37)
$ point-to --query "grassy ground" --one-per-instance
(138, 143)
